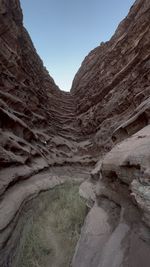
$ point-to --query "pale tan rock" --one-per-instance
(87, 191)
(129, 163)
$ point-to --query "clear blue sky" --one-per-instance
(64, 31)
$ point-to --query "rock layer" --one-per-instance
(38, 132)
(112, 90)
(114, 79)
(48, 136)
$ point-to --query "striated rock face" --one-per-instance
(32, 108)
(48, 136)
(112, 92)
(114, 79)
(37, 129)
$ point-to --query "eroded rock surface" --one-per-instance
(38, 132)
(110, 240)
(48, 136)
(122, 209)
(112, 90)
(128, 162)
(114, 79)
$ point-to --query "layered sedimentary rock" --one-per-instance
(48, 136)
(117, 229)
(37, 129)
(114, 79)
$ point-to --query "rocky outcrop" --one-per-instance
(48, 136)
(128, 162)
(116, 231)
(110, 240)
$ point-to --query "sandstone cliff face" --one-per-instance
(114, 79)
(112, 91)
(48, 136)
(37, 128)
(32, 106)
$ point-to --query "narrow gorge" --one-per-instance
(94, 139)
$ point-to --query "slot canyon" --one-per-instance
(90, 145)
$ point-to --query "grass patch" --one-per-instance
(54, 228)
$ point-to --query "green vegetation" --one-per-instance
(54, 229)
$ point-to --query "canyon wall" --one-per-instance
(112, 92)
(114, 80)
(48, 136)
(38, 132)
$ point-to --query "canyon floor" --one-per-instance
(54, 227)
